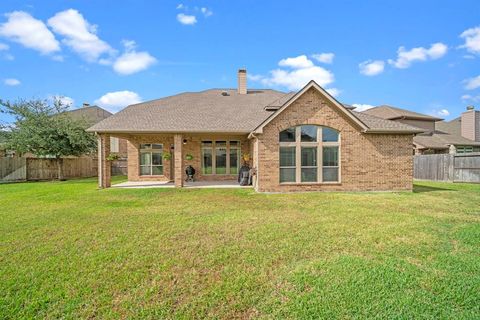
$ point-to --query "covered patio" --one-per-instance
(168, 184)
(160, 159)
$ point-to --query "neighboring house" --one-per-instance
(456, 136)
(303, 141)
(94, 114)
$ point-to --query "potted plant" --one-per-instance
(188, 157)
(113, 157)
(167, 156)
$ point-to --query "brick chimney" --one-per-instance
(242, 81)
(470, 124)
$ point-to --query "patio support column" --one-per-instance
(178, 165)
(104, 166)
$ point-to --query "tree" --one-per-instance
(42, 128)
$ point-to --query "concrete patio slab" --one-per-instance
(165, 184)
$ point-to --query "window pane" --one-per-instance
(145, 171)
(287, 135)
(309, 156)
(329, 135)
(207, 161)
(287, 174)
(221, 160)
(206, 143)
(145, 158)
(157, 170)
(330, 156)
(145, 146)
(156, 158)
(234, 144)
(221, 144)
(234, 157)
(309, 133)
(330, 174)
(157, 146)
(287, 156)
(309, 174)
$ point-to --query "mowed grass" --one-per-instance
(68, 250)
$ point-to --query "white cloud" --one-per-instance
(4, 47)
(443, 112)
(206, 12)
(467, 97)
(302, 70)
(180, 6)
(79, 35)
(406, 58)
(186, 19)
(362, 107)
(324, 57)
(472, 83)
(115, 101)
(11, 82)
(132, 61)
(22, 28)
(372, 68)
(334, 92)
(472, 40)
(297, 62)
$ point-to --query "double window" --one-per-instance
(151, 163)
(220, 157)
(309, 154)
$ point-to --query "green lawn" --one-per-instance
(68, 250)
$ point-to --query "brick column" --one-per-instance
(178, 169)
(104, 166)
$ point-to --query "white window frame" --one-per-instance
(114, 145)
(150, 151)
(319, 144)
(213, 148)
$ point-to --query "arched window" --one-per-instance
(309, 154)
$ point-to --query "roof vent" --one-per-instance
(225, 93)
(470, 108)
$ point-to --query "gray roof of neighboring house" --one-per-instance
(442, 140)
(91, 115)
(212, 111)
(390, 113)
(453, 126)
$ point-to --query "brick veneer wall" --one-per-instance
(193, 147)
(368, 161)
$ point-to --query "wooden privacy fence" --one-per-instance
(463, 167)
(31, 169)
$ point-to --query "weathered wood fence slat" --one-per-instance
(463, 167)
(32, 169)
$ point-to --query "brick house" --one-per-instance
(297, 141)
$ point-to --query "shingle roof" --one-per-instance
(390, 113)
(91, 115)
(205, 111)
(442, 140)
(217, 110)
(378, 124)
(453, 126)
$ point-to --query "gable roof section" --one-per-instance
(391, 113)
(367, 123)
(293, 98)
(453, 127)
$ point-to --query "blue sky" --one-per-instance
(420, 55)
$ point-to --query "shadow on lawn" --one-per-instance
(419, 189)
